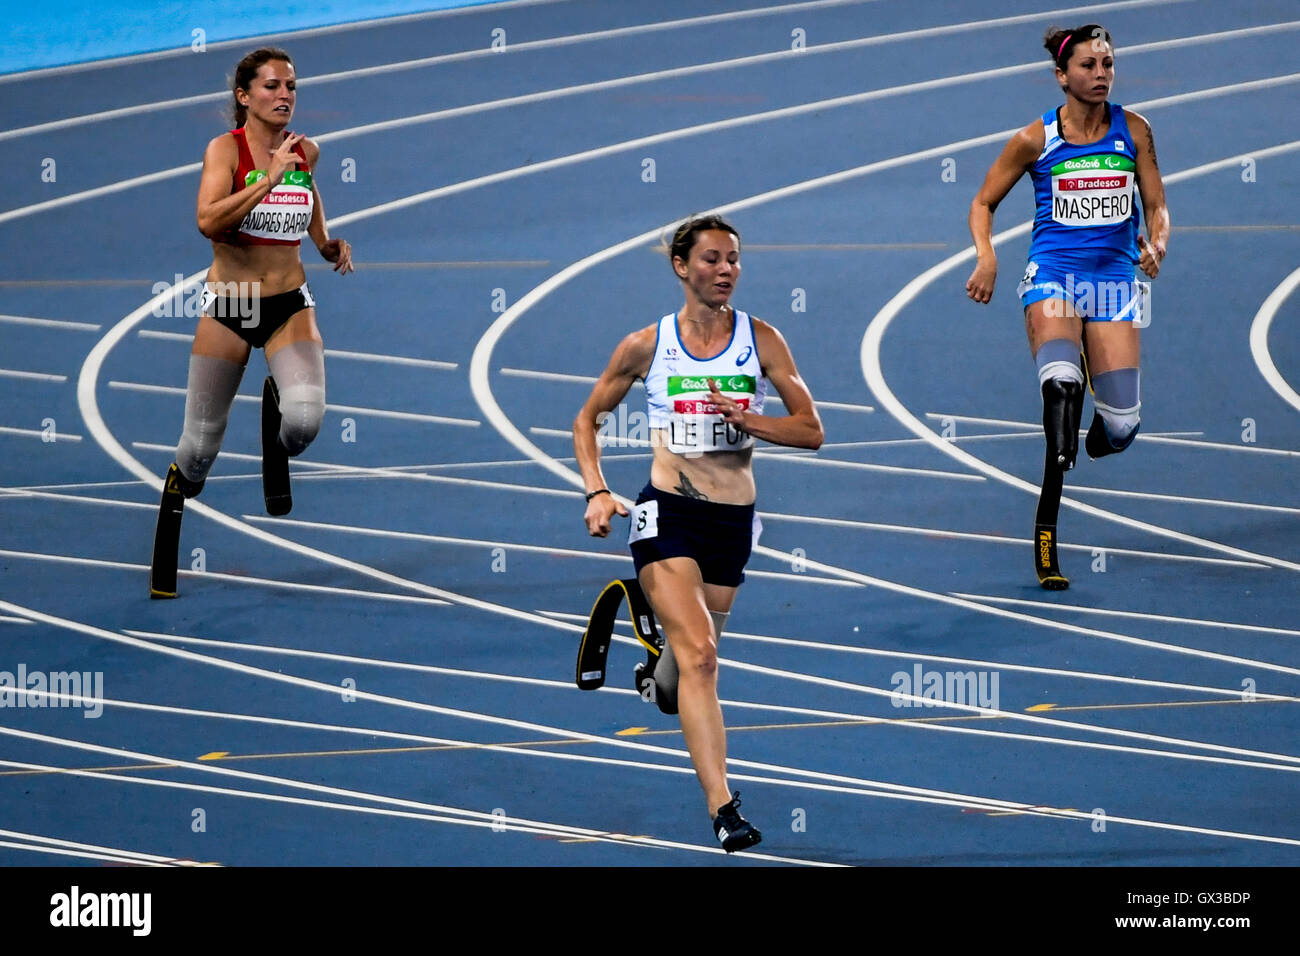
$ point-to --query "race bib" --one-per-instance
(285, 212)
(645, 521)
(1093, 190)
(694, 424)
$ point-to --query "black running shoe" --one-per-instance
(733, 831)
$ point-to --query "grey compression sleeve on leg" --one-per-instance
(666, 669)
(209, 394)
(299, 373)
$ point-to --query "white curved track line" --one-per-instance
(901, 791)
(642, 141)
(615, 33)
(480, 52)
(130, 856)
(414, 809)
(873, 372)
(83, 854)
(1259, 339)
(456, 743)
(479, 819)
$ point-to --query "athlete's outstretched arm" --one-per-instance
(631, 360)
(1152, 189)
(337, 251)
(1017, 156)
(801, 427)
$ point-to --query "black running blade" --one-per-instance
(275, 460)
(1045, 564)
(166, 543)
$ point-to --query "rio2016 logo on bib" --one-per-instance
(1093, 190)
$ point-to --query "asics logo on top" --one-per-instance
(744, 356)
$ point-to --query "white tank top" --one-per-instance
(677, 388)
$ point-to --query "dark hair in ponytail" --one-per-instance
(1060, 43)
(246, 72)
(684, 238)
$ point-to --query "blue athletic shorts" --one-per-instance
(1101, 288)
(717, 537)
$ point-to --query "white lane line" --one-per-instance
(1183, 499)
(73, 844)
(329, 353)
(804, 644)
(330, 407)
(81, 854)
(485, 51)
(899, 791)
(5, 618)
(507, 545)
(51, 437)
(565, 685)
(82, 499)
(1140, 615)
(34, 376)
(592, 379)
(555, 376)
(50, 323)
(866, 466)
(1168, 438)
(420, 811)
(738, 705)
(998, 539)
(1259, 339)
(221, 576)
(644, 141)
(249, 42)
(354, 471)
(1225, 446)
(621, 442)
(873, 372)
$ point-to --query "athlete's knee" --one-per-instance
(302, 407)
(696, 654)
(1117, 397)
(299, 373)
(1060, 376)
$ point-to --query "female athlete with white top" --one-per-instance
(1089, 160)
(256, 201)
(694, 524)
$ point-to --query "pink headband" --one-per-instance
(1063, 43)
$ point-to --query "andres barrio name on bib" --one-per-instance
(285, 212)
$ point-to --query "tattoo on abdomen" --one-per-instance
(688, 489)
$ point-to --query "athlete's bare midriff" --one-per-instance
(275, 268)
(725, 477)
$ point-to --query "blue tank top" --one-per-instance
(1086, 196)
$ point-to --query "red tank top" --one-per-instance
(283, 215)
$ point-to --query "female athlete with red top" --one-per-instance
(256, 201)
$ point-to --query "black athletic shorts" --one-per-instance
(256, 319)
(718, 537)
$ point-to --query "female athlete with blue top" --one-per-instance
(706, 368)
(1089, 161)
